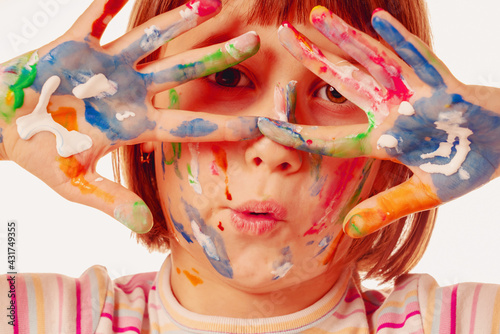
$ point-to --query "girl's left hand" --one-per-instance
(419, 114)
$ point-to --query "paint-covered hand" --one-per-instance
(95, 98)
(418, 114)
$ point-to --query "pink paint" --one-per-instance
(204, 7)
(309, 142)
(377, 10)
(214, 169)
(315, 229)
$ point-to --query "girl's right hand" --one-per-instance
(96, 98)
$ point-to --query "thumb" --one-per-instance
(91, 189)
(386, 207)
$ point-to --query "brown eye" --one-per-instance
(329, 93)
(228, 78)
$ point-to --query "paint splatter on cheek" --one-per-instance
(220, 226)
(72, 168)
(221, 161)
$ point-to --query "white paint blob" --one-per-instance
(279, 104)
(124, 115)
(32, 61)
(204, 241)
(97, 86)
(450, 123)
(151, 39)
(282, 270)
(387, 141)
(463, 174)
(190, 15)
(405, 108)
(193, 176)
(68, 143)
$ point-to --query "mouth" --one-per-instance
(257, 217)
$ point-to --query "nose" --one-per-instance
(265, 154)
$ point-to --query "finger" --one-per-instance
(188, 126)
(413, 51)
(354, 84)
(190, 65)
(382, 209)
(149, 36)
(107, 196)
(96, 18)
(382, 63)
(336, 141)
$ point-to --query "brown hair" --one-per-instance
(384, 255)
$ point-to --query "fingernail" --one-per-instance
(377, 10)
(136, 216)
(204, 7)
(243, 45)
(353, 227)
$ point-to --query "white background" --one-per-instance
(55, 235)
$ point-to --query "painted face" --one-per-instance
(256, 214)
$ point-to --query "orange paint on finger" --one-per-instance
(221, 161)
(399, 202)
(178, 270)
(74, 170)
(195, 280)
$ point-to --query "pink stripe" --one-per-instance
(22, 306)
(86, 301)
(16, 301)
(343, 316)
(78, 308)
(453, 320)
(126, 329)
(398, 325)
(107, 315)
(444, 318)
(61, 292)
(474, 308)
(352, 295)
(143, 281)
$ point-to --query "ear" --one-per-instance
(147, 147)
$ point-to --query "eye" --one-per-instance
(329, 93)
(230, 77)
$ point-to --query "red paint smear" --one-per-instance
(220, 226)
(206, 7)
(221, 161)
(112, 7)
(309, 142)
(213, 168)
(400, 90)
(315, 229)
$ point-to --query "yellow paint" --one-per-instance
(73, 169)
(195, 280)
(9, 98)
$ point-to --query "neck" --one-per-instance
(217, 297)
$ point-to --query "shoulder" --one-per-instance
(54, 303)
(417, 298)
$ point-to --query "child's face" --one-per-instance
(255, 213)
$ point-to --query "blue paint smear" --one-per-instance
(75, 63)
(481, 161)
(324, 243)
(318, 185)
(287, 258)
(1, 137)
(222, 265)
(425, 71)
(309, 243)
(179, 227)
(197, 127)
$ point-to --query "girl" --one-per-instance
(251, 224)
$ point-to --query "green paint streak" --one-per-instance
(17, 75)
(371, 126)
(353, 226)
(174, 99)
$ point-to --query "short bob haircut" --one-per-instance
(383, 255)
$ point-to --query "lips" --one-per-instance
(257, 217)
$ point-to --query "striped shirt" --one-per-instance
(144, 303)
